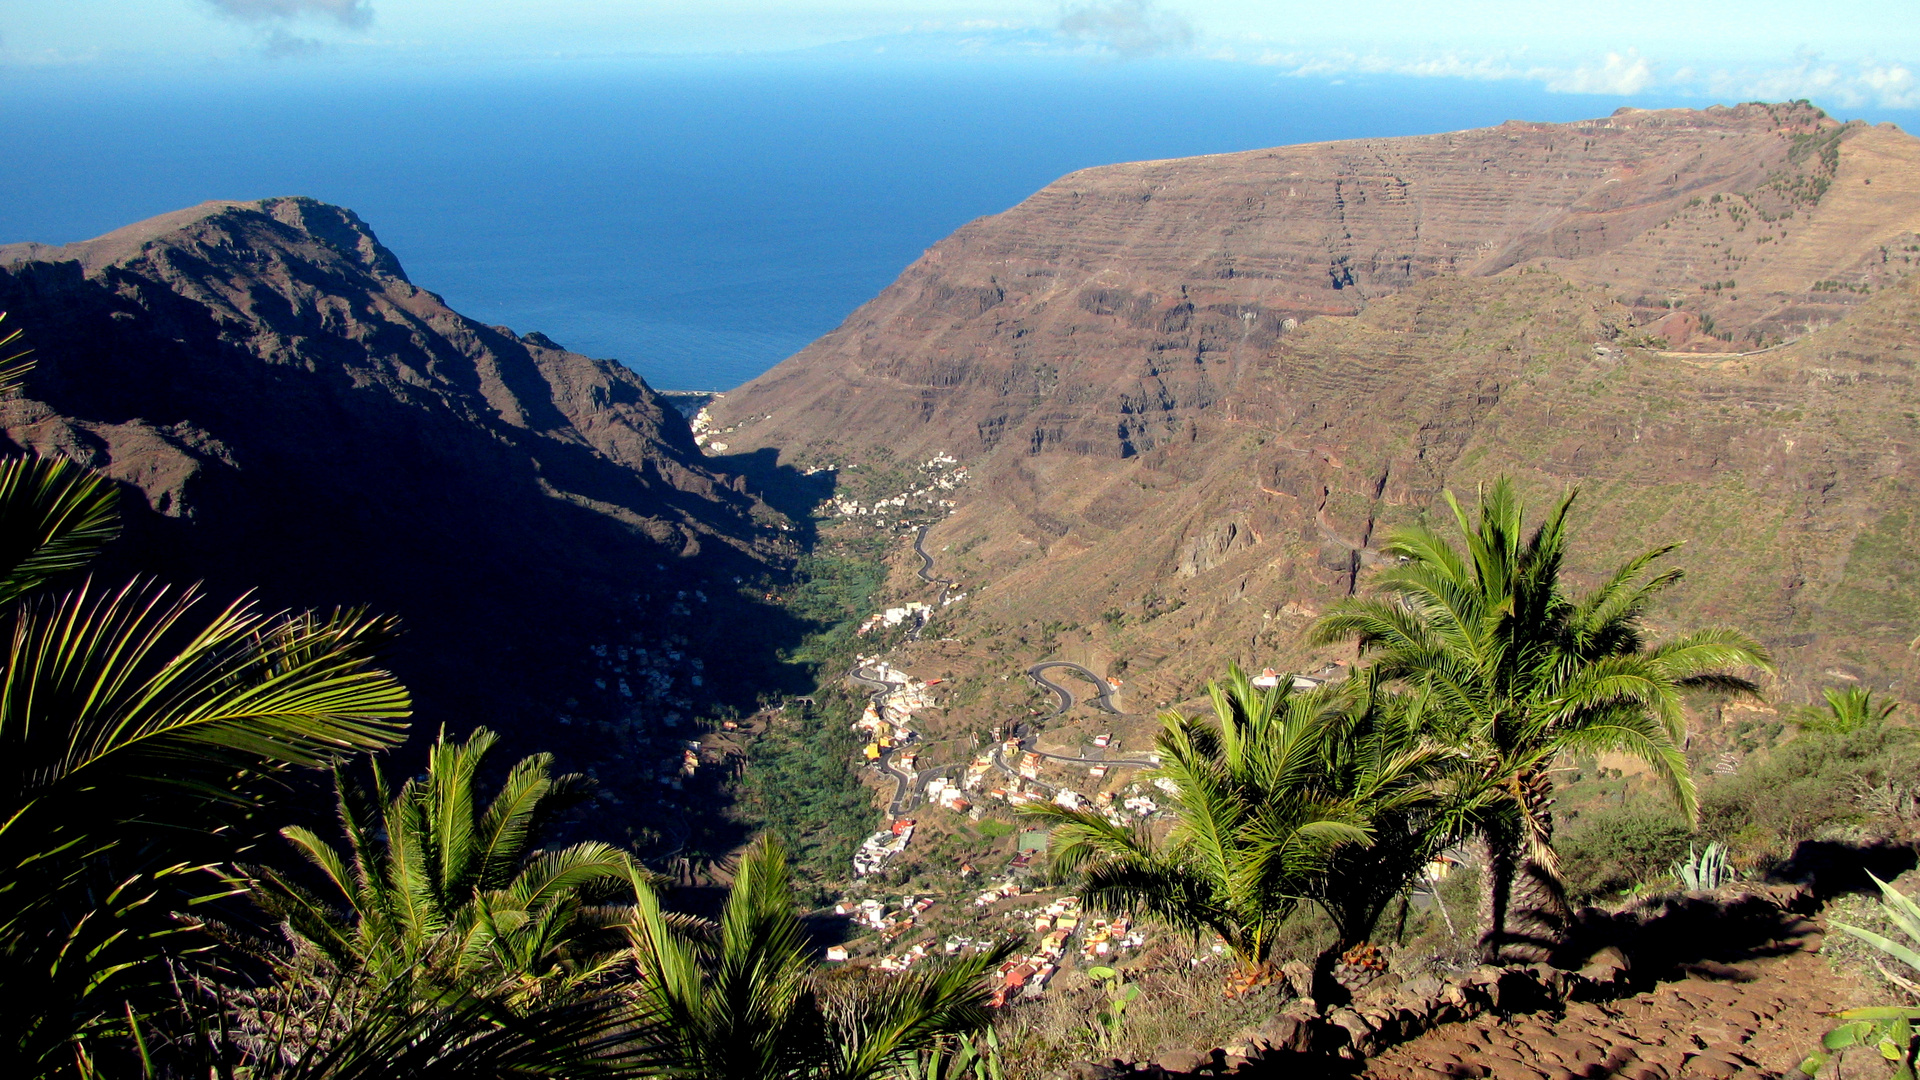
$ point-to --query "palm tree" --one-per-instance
(1522, 673)
(1256, 822)
(1846, 712)
(436, 889)
(1420, 798)
(743, 999)
(136, 736)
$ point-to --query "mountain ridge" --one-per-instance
(1193, 394)
(286, 411)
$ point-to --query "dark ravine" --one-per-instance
(285, 410)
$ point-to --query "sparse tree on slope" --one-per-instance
(1524, 673)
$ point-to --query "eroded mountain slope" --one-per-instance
(1194, 393)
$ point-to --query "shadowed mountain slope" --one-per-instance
(286, 410)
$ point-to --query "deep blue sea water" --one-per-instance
(698, 220)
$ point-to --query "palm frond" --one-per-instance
(875, 1032)
(54, 517)
(14, 365)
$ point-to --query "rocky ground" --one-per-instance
(1731, 983)
(1759, 1017)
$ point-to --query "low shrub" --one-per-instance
(1818, 785)
(1609, 851)
(1177, 1009)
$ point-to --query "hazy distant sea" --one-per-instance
(698, 220)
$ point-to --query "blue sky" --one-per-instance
(1846, 53)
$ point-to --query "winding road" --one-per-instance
(903, 780)
(906, 782)
(926, 575)
(1103, 700)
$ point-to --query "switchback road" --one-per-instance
(926, 575)
(1102, 700)
(903, 779)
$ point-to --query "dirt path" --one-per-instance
(1757, 1017)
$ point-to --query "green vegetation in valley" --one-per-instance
(800, 783)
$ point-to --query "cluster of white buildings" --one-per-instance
(888, 722)
(894, 616)
(998, 893)
(1105, 938)
(905, 508)
(945, 793)
(1028, 976)
(650, 681)
(878, 850)
(875, 915)
(704, 431)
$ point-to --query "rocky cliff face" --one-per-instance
(1108, 309)
(286, 410)
(1216, 381)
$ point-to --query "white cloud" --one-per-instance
(1894, 84)
(1127, 27)
(1622, 73)
(1884, 84)
(1848, 85)
(273, 21)
(349, 13)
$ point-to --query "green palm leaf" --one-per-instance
(434, 889)
(127, 724)
(54, 517)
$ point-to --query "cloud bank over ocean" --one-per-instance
(1844, 83)
(1853, 54)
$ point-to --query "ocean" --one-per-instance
(697, 219)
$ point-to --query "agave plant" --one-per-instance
(1704, 871)
(1887, 1029)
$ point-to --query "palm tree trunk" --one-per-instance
(1541, 915)
(1498, 864)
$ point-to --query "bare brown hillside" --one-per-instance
(1192, 394)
